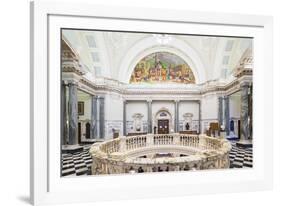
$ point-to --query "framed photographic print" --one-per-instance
(167, 104)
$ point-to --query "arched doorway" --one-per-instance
(163, 121)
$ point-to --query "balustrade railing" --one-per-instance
(113, 156)
(163, 139)
(111, 146)
(135, 142)
(130, 143)
(189, 140)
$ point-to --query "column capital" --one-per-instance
(94, 97)
(64, 82)
(71, 82)
(245, 84)
(149, 100)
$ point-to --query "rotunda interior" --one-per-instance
(135, 102)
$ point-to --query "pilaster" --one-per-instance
(94, 114)
(149, 116)
(124, 118)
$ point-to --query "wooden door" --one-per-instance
(79, 132)
(163, 126)
(239, 129)
(88, 130)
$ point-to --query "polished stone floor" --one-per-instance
(79, 163)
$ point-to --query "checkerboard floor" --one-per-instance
(79, 163)
(240, 157)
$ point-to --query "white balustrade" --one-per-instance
(113, 156)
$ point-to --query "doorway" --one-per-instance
(88, 130)
(79, 132)
(239, 129)
(163, 126)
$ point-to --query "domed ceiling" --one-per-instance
(162, 67)
(102, 54)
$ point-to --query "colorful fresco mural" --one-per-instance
(162, 67)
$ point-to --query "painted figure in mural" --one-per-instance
(162, 67)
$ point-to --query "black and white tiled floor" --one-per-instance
(79, 163)
(240, 157)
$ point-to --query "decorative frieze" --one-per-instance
(121, 88)
(70, 60)
(71, 67)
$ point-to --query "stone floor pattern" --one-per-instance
(79, 163)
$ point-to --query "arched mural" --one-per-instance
(162, 67)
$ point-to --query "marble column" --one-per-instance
(226, 114)
(200, 117)
(176, 115)
(220, 111)
(244, 118)
(94, 115)
(251, 111)
(73, 114)
(64, 115)
(244, 112)
(101, 115)
(124, 118)
(149, 116)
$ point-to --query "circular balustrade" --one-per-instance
(155, 153)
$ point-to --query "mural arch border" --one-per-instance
(149, 45)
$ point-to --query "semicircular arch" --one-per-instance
(149, 45)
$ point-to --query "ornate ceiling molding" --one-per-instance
(108, 85)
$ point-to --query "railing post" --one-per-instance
(202, 141)
(176, 140)
(122, 144)
(149, 140)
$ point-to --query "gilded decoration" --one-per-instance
(162, 67)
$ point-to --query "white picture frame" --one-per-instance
(46, 185)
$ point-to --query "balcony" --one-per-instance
(159, 152)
